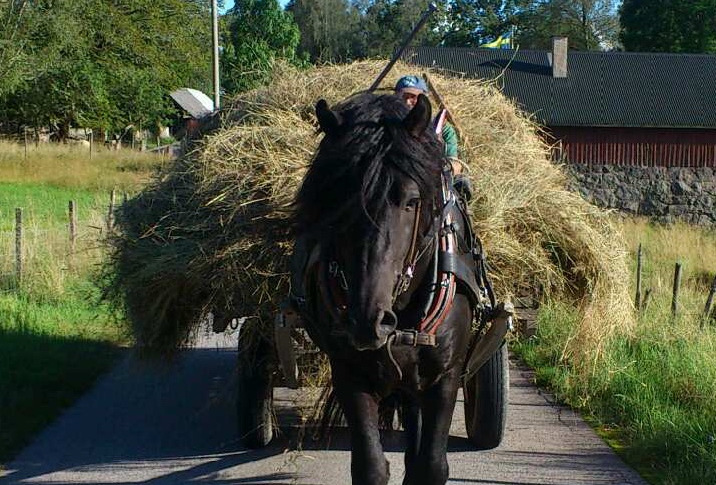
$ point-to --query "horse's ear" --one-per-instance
(419, 117)
(328, 120)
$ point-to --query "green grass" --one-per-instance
(47, 206)
(56, 338)
(50, 354)
(71, 166)
(653, 393)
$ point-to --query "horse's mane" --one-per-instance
(353, 170)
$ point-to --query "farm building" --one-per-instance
(638, 130)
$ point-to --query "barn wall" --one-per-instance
(644, 147)
(662, 173)
(662, 193)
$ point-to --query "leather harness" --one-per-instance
(450, 269)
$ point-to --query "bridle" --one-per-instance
(440, 299)
(411, 258)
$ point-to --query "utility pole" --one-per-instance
(215, 52)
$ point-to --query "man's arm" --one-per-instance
(450, 140)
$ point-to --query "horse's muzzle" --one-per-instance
(373, 336)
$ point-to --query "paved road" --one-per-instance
(175, 424)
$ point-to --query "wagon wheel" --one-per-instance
(255, 395)
(486, 395)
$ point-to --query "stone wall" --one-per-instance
(665, 194)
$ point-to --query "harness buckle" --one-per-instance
(335, 271)
(414, 335)
(333, 268)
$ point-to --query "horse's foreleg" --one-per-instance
(368, 463)
(412, 425)
(430, 466)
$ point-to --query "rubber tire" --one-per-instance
(486, 395)
(254, 403)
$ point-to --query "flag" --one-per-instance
(502, 42)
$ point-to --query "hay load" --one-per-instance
(210, 233)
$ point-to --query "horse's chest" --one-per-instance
(418, 370)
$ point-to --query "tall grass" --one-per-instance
(51, 265)
(62, 165)
(655, 389)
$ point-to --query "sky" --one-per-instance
(230, 3)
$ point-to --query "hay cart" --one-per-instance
(485, 379)
(485, 375)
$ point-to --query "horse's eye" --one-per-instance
(412, 204)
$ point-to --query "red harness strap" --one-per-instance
(447, 286)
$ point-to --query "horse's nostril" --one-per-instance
(388, 323)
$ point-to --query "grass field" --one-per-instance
(72, 167)
(654, 392)
(56, 337)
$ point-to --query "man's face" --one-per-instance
(410, 96)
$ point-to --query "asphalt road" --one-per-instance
(176, 424)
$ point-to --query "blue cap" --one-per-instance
(412, 82)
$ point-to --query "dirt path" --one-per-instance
(176, 424)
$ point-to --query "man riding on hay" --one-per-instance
(408, 88)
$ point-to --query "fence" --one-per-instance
(641, 300)
(67, 247)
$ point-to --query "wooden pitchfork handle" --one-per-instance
(432, 7)
(442, 105)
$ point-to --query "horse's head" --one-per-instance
(370, 197)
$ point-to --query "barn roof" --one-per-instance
(193, 101)
(622, 89)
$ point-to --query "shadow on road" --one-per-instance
(181, 415)
(176, 424)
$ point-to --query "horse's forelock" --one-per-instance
(353, 170)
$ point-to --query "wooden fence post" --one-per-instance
(25, 130)
(91, 140)
(637, 299)
(709, 302)
(18, 244)
(675, 295)
(73, 224)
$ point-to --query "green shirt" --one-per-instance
(450, 139)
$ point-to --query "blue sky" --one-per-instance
(230, 3)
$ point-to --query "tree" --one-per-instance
(259, 31)
(329, 29)
(14, 62)
(386, 23)
(474, 22)
(107, 63)
(589, 24)
(669, 25)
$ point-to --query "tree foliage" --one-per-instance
(335, 30)
(259, 31)
(669, 25)
(101, 63)
(589, 24)
(330, 29)
(474, 22)
(387, 23)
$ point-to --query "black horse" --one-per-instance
(390, 287)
